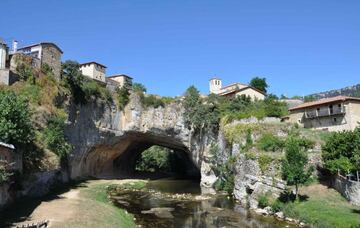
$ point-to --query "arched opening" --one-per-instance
(118, 158)
(157, 162)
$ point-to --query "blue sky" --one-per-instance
(300, 46)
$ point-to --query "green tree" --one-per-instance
(201, 115)
(73, 80)
(342, 151)
(191, 102)
(309, 98)
(259, 83)
(15, 122)
(154, 159)
(139, 88)
(294, 169)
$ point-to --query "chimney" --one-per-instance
(14, 46)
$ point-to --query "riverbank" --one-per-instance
(324, 207)
(84, 205)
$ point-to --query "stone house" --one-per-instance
(94, 70)
(37, 55)
(11, 157)
(44, 53)
(121, 80)
(235, 89)
(332, 114)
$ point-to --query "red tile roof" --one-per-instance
(324, 101)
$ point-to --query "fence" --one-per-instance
(351, 177)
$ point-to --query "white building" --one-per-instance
(235, 89)
(121, 80)
(3, 55)
(94, 71)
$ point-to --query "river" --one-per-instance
(161, 203)
(179, 203)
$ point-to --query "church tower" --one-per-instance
(215, 85)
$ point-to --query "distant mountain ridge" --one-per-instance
(351, 91)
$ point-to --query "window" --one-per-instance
(331, 109)
(335, 120)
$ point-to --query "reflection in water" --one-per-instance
(179, 203)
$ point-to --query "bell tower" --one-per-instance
(215, 85)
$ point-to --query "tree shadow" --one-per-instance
(22, 208)
(356, 211)
(288, 196)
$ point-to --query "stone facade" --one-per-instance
(334, 114)
(47, 53)
(51, 55)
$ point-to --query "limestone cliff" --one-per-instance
(108, 140)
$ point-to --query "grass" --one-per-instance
(325, 207)
(105, 214)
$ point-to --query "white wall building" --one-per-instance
(94, 71)
(3, 55)
(235, 89)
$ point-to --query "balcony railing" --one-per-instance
(324, 112)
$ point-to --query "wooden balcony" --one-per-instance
(324, 113)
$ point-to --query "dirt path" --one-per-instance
(74, 208)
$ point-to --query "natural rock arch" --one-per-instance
(108, 141)
(119, 159)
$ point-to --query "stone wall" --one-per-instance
(51, 56)
(349, 189)
(7, 77)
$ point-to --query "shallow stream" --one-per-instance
(179, 203)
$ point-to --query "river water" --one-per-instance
(179, 203)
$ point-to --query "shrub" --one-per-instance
(4, 172)
(263, 201)
(139, 88)
(54, 137)
(15, 121)
(275, 108)
(223, 169)
(24, 68)
(91, 89)
(152, 101)
(123, 97)
(277, 206)
(270, 142)
(264, 162)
